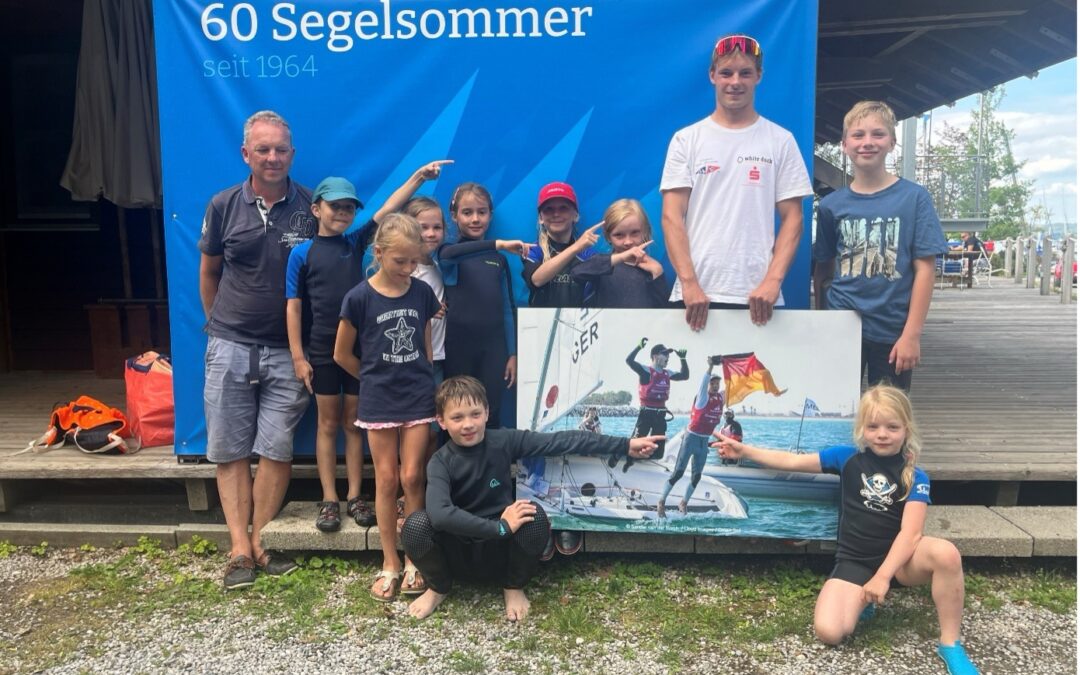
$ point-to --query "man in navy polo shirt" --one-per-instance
(252, 397)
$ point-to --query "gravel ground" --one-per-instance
(1010, 638)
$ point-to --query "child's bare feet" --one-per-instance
(682, 506)
(425, 605)
(517, 605)
(661, 510)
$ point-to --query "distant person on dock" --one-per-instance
(471, 526)
(252, 397)
(972, 243)
(882, 217)
(880, 541)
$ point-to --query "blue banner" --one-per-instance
(517, 93)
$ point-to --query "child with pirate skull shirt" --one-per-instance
(883, 508)
(871, 505)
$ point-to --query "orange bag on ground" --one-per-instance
(150, 407)
(90, 425)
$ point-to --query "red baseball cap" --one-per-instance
(556, 190)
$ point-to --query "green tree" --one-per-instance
(609, 398)
(969, 184)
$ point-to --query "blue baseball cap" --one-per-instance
(333, 188)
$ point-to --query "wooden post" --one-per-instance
(1018, 268)
(1009, 244)
(1030, 263)
(1044, 269)
(1066, 271)
(201, 493)
(1008, 493)
(11, 493)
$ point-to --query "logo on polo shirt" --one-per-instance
(494, 483)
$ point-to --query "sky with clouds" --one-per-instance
(1042, 112)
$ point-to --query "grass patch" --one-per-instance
(672, 611)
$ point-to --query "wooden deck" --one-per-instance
(995, 397)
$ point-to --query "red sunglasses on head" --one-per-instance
(743, 43)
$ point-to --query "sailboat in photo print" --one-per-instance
(587, 487)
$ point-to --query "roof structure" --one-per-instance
(917, 55)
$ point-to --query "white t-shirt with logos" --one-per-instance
(736, 177)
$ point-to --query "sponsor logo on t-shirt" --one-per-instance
(707, 169)
(754, 174)
(923, 489)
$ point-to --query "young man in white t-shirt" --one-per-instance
(724, 179)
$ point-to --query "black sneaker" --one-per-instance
(361, 512)
(629, 463)
(276, 564)
(612, 461)
(239, 573)
(329, 519)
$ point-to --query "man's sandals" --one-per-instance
(388, 590)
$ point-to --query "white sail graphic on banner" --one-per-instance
(569, 372)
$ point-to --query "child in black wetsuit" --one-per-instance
(627, 277)
(472, 527)
(480, 329)
(880, 542)
(548, 267)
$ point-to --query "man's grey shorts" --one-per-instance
(245, 418)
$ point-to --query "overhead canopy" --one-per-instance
(917, 55)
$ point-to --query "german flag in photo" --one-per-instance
(744, 374)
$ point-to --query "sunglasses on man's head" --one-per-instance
(743, 43)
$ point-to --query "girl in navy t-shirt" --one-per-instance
(883, 500)
(384, 339)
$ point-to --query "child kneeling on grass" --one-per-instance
(471, 526)
(880, 543)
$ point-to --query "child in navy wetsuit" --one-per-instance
(704, 416)
(472, 526)
(480, 326)
(627, 277)
(384, 340)
(883, 500)
(429, 215)
(654, 387)
(320, 272)
(548, 267)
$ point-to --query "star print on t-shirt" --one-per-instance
(401, 334)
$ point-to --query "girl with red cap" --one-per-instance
(547, 267)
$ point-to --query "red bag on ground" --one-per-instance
(150, 410)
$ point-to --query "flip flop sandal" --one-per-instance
(409, 587)
(391, 584)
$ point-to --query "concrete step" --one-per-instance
(978, 531)
(1017, 531)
